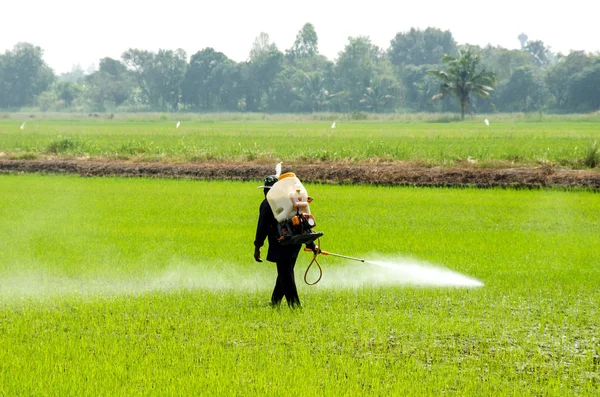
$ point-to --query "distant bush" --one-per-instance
(592, 156)
(24, 156)
(358, 116)
(62, 145)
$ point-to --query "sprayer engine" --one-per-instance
(298, 230)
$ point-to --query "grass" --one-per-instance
(559, 142)
(128, 287)
(592, 156)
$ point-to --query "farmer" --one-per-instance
(283, 255)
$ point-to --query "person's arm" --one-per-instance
(262, 230)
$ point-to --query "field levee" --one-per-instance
(339, 173)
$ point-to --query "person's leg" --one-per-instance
(290, 290)
(279, 290)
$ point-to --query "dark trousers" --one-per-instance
(286, 283)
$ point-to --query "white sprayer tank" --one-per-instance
(287, 196)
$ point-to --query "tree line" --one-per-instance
(418, 67)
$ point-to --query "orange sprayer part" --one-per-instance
(286, 175)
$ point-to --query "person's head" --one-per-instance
(268, 183)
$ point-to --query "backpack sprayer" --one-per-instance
(290, 204)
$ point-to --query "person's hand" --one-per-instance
(257, 254)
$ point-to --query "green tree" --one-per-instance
(525, 91)
(112, 67)
(464, 76)
(109, 87)
(4, 82)
(419, 86)
(231, 91)
(306, 44)
(559, 74)
(259, 73)
(207, 79)
(381, 94)
(23, 75)
(541, 55)
(158, 75)
(67, 92)
(504, 62)
(261, 47)
(421, 47)
(60, 97)
(313, 91)
(356, 68)
(583, 90)
(284, 93)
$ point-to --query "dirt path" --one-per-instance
(325, 173)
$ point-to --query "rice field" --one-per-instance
(114, 286)
(506, 142)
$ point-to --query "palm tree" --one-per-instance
(379, 95)
(463, 77)
(312, 93)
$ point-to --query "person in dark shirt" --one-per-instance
(283, 255)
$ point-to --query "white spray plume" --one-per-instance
(333, 125)
(278, 169)
(487, 122)
(40, 285)
(178, 124)
(23, 126)
(394, 271)
(181, 276)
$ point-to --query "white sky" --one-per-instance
(81, 32)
